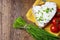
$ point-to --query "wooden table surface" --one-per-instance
(9, 11)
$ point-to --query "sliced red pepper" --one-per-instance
(58, 10)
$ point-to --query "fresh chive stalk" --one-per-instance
(19, 23)
(33, 30)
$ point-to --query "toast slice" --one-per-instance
(30, 17)
(44, 13)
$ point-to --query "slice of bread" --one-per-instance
(44, 13)
(30, 17)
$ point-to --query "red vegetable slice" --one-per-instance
(58, 10)
(54, 29)
(54, 21)
(59, 26)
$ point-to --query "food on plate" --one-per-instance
(44, 13)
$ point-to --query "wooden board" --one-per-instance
(9, 11)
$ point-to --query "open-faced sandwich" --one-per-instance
(42, 13)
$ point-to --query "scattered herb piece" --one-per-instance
(38, 11)
(52, 9)
(43, 10)
(47, 10)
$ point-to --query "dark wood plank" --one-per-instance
(11, 9)
(6, 7)
(0, 20)
(20, 8)
(0, 25)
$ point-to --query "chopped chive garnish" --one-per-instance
(45, 19)
(38, 11)
(36, 17)
(40, 19)
(52, 9)
(42, 14)
(44, 10)
(47, 10)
